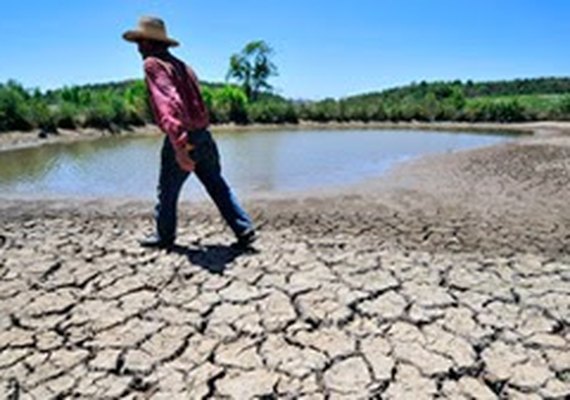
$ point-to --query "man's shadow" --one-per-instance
(213, 258)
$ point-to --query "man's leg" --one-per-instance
(209, 173)
(170, 182)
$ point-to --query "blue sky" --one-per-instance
(323, 47)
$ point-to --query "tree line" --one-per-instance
(124, 105)
(250, 99)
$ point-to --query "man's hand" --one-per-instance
(183, 159)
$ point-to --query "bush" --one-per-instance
(42, 116)
(98, 116)
(563, 109)
(65, 115)
(508, 111)
(360, 111)
(496, 111)
(230, 105)
(137, 103)
(15, 113)
(322, 111)
(272, 112)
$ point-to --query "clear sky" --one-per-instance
(323, 47)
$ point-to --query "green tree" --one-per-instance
(252, 68)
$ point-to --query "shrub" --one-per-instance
(272, 112)
(563, 108)
(15, 113)
(230, 105)
(42, 116)
(98, 116)
(322, 111)
(65, 116)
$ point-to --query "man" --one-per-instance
(188, 146)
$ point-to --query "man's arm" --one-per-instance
(169, 110)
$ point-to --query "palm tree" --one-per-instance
(252, 67)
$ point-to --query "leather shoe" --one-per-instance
(245, 240)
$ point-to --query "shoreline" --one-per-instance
(527, 179)
(391, 179)
(21, 140)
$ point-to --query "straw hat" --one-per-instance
(151, 28)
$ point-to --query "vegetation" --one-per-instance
(501, 101)
(122, 105)
(110, 107)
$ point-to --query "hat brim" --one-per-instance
(137, 36)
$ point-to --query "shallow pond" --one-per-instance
(253, 162)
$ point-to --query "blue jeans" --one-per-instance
(209, 172)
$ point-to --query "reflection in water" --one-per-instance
(90, 167)
(253, 162)
(26, 164)
(35, 163)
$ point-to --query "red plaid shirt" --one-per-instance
(175, 97)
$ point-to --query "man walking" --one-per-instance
(188, 146)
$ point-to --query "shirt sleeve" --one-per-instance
(168, 106)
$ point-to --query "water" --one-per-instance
(253, 162)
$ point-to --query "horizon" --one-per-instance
(435, 42)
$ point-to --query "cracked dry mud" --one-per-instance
(404, 293)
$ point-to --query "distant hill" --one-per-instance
(470, 89)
